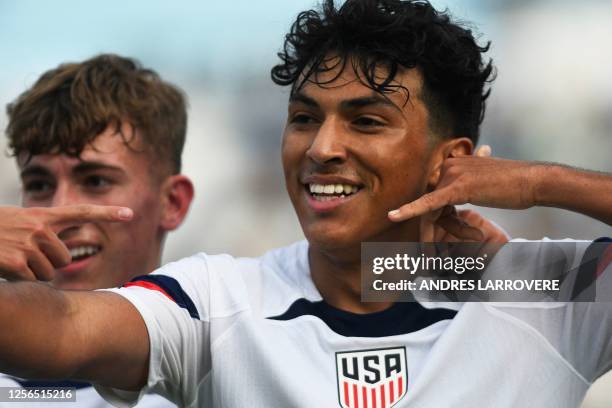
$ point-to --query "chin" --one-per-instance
(331, 237)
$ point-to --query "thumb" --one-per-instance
(483, 151)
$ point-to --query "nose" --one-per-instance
(65, 195)
(328, 145)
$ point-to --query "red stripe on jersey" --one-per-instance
(400, 386)
(374, 398)
(383, 404)
(391, 396)
(346, 394)
(605, 260)
(364, 394)
(355, 396)
(148, 285)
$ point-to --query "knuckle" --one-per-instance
(48, 233)
(18, 263)
(450, 197)
(28, 243)
(84, 210)
(39, 230)
(426, 198)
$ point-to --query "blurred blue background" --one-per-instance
(552, 100)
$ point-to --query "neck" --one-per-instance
(155, 261)
(152, 261)
(337, 272)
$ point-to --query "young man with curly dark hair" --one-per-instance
(385, 105)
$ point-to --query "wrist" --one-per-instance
(546, 182)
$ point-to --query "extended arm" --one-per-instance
(51, 334)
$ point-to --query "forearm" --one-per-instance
(585, 192)
(33, 317)
(52, 334)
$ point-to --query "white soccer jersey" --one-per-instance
(243, 332)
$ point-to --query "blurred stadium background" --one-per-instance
(552, 100)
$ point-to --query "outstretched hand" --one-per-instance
(30, 248)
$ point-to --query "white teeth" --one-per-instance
(77, 252)
(337, 189)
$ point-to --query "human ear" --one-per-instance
(177, 193)
(447, 149)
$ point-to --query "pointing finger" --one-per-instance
(65, 217)
(429, 202)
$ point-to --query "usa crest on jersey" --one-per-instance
(376, 378)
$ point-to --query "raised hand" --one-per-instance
(446, 224)
(483, 181)
(29, 246)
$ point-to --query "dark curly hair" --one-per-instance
(391, 34)
(69, 106)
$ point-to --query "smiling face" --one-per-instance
(107, 173)
(350, 155)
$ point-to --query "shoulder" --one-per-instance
(225, 285)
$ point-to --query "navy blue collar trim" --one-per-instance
(401, 318)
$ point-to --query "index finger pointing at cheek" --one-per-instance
(64, 217)
(427, 203)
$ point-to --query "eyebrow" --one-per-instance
(299, 97)
(349, 104)
(35, 170)
(374, 100)
(86, 166)
(83, 167)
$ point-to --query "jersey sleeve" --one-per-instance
(174, 304)
(580, 331)
(6, 381)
